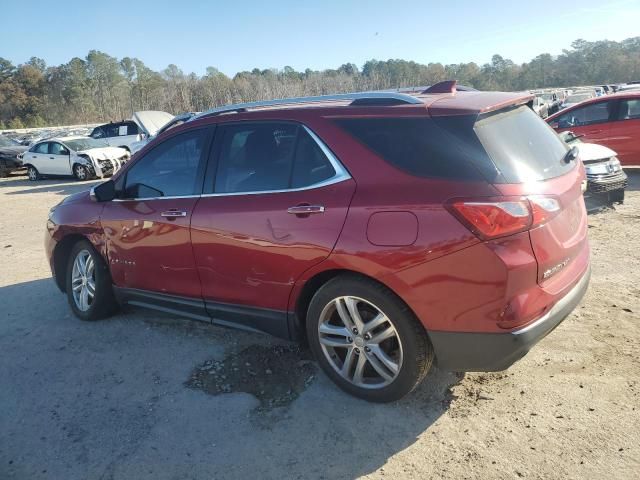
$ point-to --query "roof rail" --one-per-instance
(359, 99)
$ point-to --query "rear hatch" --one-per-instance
(531, 161)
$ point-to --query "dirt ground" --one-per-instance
(145, 395)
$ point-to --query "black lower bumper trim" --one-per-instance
(489, 352)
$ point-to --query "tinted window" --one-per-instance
(111, 130)
(41, 148)
(170, 169)
(418, 146)
(522, 146)
(629, 109)
(56, 148)
(592, 113)
(98, 133)
(269, 156)
(311, 165)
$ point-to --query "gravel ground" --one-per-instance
(145, 395)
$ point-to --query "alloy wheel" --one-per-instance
(81, 172)
(360, 342)
(33, 175)
(83, 280)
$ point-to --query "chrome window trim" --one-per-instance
(341, 174)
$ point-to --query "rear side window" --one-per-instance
(629, 109)
(522, 146)
(417, 146)
(261, 157)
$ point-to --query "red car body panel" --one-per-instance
(147, 251)
(250, 251)
(620, 135)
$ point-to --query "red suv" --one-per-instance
(386, 229)
(611, 120)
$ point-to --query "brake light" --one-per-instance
(505, 216)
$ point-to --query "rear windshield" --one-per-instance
(522, 146)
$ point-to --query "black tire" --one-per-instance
(33, 173)
(103, 303)
(81, 172)
(416, 347)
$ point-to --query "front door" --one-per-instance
(591, 121)
(59, 159)
(147, 226)
(274, 205)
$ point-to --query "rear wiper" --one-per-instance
(571, 155)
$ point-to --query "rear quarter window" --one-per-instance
(417, 146)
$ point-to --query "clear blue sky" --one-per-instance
(243, 34)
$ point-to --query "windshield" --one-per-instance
(547, 96)
(578, 98)
(8, 142)
(85, 143)
(522, 146)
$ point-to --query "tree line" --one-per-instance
(100, 87)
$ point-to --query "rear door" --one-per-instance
(147, 226)
(625, 132)
(530, 158)
(275, 202)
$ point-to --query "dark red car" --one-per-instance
(386, 229)
(611, 120)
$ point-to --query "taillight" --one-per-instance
(489, 218)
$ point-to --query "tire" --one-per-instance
(103, 303)
(407, 348)
(81, 172)
(33, 174)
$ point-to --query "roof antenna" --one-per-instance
(448, 86)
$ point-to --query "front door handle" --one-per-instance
(173, 214)
(305, 210)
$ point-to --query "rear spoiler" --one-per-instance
(476, 103)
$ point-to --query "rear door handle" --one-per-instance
(305, 209)
(173, 214)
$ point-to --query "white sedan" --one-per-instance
(81, 157)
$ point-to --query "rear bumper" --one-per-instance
(486, 352)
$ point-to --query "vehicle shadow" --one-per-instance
(134, 367)
(634, 179)
(59, 186)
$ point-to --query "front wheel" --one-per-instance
(367, 340)
(33, 174)
(80, 172)
(88, 283)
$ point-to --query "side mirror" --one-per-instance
(104, 192)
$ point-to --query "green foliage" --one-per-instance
(100, 87)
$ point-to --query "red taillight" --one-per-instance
(489, 218)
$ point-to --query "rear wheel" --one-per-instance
(88, 283)
(367, 340)
(33, 174)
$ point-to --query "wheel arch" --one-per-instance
(61, 257)
(313, 284)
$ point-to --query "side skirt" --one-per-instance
(274, 322)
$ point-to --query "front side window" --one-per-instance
(56, 148)
(171, 169)
(629, 109)
(269, 156)
(41, 148)
(587, 115)
(98, 133)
